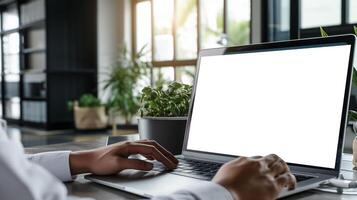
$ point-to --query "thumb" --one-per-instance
(136, 164)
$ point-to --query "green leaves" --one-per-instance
(89, 100)
(352, 115)
(323, 32)
(122, 81)
(173, 101)
(86, 100)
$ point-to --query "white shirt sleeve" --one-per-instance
(27, 178)
(204, 191)
(61, 169)
(21, 179)
(56, 162)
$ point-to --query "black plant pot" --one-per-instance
(167, 131)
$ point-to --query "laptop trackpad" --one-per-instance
(143, 183)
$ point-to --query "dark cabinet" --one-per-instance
(48, 57)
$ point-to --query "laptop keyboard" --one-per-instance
(300, 177)
(202, 169)
(192, 168)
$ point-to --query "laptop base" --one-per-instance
(146, 184)
(152, 183)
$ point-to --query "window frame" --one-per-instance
(175, 63)
(295, 30)
(342, 28)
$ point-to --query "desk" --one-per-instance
(84, 188)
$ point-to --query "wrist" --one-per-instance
(80, 162)
(232, 190)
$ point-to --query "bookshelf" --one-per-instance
(48, 57)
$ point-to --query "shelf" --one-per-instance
(10, 73)
(7, 32)
(34, 99)
(42, 125)
(7, 98)
(34, 50)
(11, 54)
(71, 71)
(61, 71)
(36, 24)
(10, 120)
(33, 71)
(45, 39)
(7, 2)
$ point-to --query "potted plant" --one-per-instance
(89, 113)
(123, 85)
(163, 114)
(352, 115)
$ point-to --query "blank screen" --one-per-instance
(287, 102)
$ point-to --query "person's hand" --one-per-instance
(254, 178)
(114, 158)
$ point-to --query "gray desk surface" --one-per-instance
(84, 188)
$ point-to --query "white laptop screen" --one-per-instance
(287, 102)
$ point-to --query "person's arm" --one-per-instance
(253, 178)
(206, 190)
(243, 178)
(103, 161)
(114, 158)
(21, 179)
(260, 178)
(56, 162)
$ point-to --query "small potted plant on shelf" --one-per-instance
(89, 113)
(123, 81)
(352, 115)
(164, 114)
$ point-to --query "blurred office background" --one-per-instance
(53, 51)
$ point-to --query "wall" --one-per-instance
(113, 31)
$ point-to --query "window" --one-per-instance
(352, 11)
(10, 18)
(173, 32)
(186, 34)
(163, 11)
(10, 69)
(211, 23)
(305, 17)
(143, 27)
(11, 73)
(238, 21)
(278, 20)
(292, 19)
(320, 13)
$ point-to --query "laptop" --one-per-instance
(289, 98)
